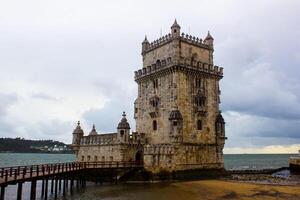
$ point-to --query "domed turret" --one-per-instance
(209, 40)
(78, 129)
(123, 123)
(93, 132)
(77, 135)
(220, 125)
(123, 130)
(145, 45)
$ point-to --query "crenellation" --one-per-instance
(184, 62)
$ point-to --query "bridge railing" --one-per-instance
(23, 172)
(30, 171)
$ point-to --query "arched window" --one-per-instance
(122, 132)
(155, 83)
(154, 125)
(199, 124)
(200, 101)
(198, 82)
(158, 63)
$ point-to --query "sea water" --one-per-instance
(231, 161)
(143, 191)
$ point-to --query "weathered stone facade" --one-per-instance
(178, 122)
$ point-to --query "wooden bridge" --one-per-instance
(61, 175)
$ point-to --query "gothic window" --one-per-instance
(155, 83)
(95, 158)
(154, 101)
(135, 110)
(199, 124)
(82, 158)
(111, 158)
(88, 158)
(193, 59)
(200, 101)
(169, 60)
(198, 82)
(154, 125)
(103, 158)
(158, 63)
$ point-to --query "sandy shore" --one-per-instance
(218, 189)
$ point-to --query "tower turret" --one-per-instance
(175, 29)
(209, 40)
(93, 131)
(77, 135)
(123, 130)
(145, 45)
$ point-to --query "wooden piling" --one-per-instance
(43, 187)
(59, 184)
(64, 187)
(71, 185)
(52, 185)
(19, 192)
(55, 190)
(2, 193)
(46, 189)
(33, 190)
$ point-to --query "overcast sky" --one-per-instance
(63, 61)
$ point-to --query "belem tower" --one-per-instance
(179, 125)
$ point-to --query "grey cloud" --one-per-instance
(96, 46)
(44, 96)
(6, 100)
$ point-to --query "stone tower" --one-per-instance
(177, 108)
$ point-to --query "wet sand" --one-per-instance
(216, 189)
(193, 190)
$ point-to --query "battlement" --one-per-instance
(109, 138)
(99, 139)
(183, 62)
(169, 38)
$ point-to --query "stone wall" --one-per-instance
(181, 157)
(111, 152)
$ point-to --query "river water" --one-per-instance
(232, 161)
(151, 191)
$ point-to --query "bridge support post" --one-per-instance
(59, 184)
(46, 189)
(33, 190)
(2, 193)
(52, 185)
(43, 187)
(64, 187)
(55, 190)
(71, 185)
(19, 192)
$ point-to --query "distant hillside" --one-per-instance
(21, 145)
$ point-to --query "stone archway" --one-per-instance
(139, 157)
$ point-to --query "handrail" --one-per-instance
(22, 172)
